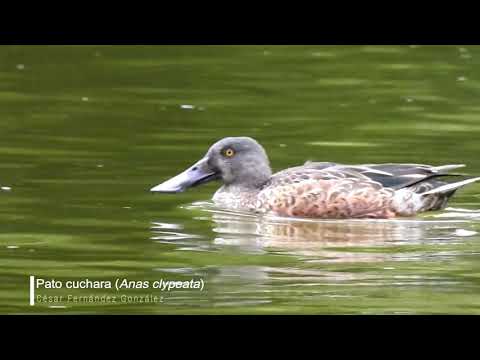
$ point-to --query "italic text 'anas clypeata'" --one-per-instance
(316, 189)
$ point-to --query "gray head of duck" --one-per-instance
(236, 161)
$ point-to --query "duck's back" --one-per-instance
(329, 190)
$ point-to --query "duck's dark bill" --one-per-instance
(198, 174)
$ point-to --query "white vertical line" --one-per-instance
(32, 290)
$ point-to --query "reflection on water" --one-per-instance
(237, 228)
(164, 232)
(87, 130)
(322, 246)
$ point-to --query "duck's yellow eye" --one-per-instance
(229, 152)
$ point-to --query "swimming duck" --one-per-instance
(316, 189)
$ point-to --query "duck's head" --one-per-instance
(234, 160)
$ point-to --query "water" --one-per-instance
(87, 130)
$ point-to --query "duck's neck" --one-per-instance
(240, 189)
(236, 197)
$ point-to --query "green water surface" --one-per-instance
(88, 130)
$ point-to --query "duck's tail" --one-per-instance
(429, 196)
(437, 197)
(446, 168)
(448, 188)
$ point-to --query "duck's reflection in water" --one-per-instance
(287, 232)
(322, 246)
(318, 253)
(334, 240)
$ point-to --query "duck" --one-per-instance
(323, 190)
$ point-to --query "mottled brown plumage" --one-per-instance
(316, 190)
(317, 194)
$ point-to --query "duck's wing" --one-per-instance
(395, 176)
(407, 175)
